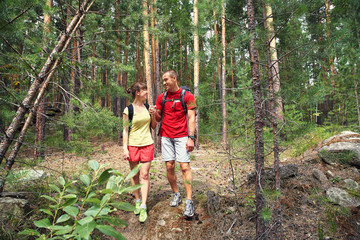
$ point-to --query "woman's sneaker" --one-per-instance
(143, 215)
(189, 208)
(176, 200)
(137, 208)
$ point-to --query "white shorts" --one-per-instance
(174, 149)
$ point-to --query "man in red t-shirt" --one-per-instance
(177, 136)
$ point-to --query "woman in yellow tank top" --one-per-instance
(138, 144)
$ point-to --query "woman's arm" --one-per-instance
(125, 136)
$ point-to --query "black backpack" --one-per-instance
(184, 89)
(131, 113)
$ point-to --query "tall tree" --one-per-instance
(147, 59)
(196, 68)
(40, 116)
(259, 141)
(223, 76)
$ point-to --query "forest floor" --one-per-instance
(304, 213)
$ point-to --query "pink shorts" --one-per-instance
(141, 154)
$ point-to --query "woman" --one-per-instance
(138, 144)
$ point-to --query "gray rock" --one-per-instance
(341, 197)
(351, 184)
(320, 176)
(286, 171)
(343, 148)
(29, 174)
(212, 201)
(12, 207)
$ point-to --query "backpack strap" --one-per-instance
(162, 110)
(131, 114)
(182, 100)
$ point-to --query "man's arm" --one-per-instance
(158, 115)
(191, 125)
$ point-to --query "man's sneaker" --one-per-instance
(137, 208)
(189, 208)
(176, 200)
(143, 215)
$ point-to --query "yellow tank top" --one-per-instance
(140, 134)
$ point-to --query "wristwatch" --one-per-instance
(192, 137)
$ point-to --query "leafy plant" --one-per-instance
(73, 217)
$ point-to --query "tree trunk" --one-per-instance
(196, 70)
(40, 116)
(147, 52)
(42, 79)
(357, 101)
(274, 83)
(259, 142)
(223, 77)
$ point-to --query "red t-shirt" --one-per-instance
(174, 124)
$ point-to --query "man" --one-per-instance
(177, 136)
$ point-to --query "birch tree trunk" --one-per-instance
(196, 70)
(259, 142)
(147, 52)
(223, 77)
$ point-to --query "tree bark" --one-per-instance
(259, 142)
(40, 116)
(223, 77)
(275, 112)
(42, 78)
(357, 101)
(147, 52)
(196, 70)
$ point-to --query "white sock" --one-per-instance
(143, 206)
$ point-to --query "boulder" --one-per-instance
(341, 197)
(286, 171)
(12, 207)
(29, 174)
(321, 177)
(343, 148)
(351, 184)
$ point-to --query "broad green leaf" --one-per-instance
(72, 211)
(105, 175)
(63, 218)
(47, 211)
(55, 188)
(114, 221)
(69, 183)
(133, 172)
(91, 194)
(110, 231)
(94, 165)
(105, 199)
(107, 191)
(70, 202)
(29, 232)
(43, 223)
(65, 229)
(71, 190)
(117, 173)
(123, 206)
(61, 181)
(85, 220)
(132, 188)
(85, 179)
(111, 183)
(85, 230)
(93, 200)
(94, 210)
(70, 196)
(49, 198)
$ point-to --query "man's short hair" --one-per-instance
(172, 73)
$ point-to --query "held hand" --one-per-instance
(126, 155)
(152, 109)
(189, 145)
